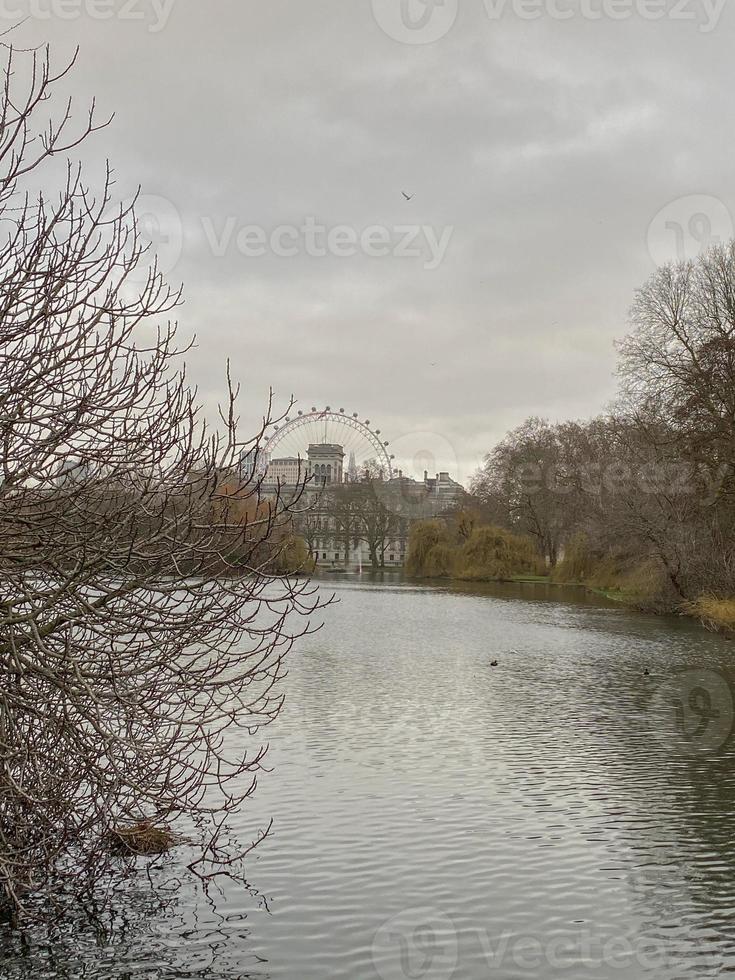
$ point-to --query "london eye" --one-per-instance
(363, 444)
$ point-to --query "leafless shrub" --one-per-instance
(142, 634)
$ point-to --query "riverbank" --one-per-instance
(462, 551)
(717, 615)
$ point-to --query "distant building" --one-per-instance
(288, 472)
(428, 497)
(345, 527)
(325, 463)
(442, 487)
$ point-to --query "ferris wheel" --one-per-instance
(361, 443)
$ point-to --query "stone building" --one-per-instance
(357, 523)
(288, 472)
(325, 463)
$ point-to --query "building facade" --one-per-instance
(355, 523)
(325, 464)
(288, 472)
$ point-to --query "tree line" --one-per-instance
(641, 498)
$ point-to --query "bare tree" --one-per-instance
(141, 628)
(678, 371)
(367, 510)
(380, 523)
(523, 485)
(678, 364)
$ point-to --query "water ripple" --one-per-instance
(562, 815)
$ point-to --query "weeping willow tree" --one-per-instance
(142, 631)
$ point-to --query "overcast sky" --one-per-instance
(550, 164)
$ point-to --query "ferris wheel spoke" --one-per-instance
(293, 438)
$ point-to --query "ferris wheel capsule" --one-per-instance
(371, 444)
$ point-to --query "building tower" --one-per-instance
(325, 463)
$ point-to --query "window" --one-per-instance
(324, 555)
(336, 557)
(392, 557)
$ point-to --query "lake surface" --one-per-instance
(436, 818)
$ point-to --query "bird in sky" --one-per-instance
(409, 197)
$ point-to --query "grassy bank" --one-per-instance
(716, 614)
(484, 553)
(643, 584)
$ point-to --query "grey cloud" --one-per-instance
(547, 146)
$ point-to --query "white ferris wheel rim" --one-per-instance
(280, 433)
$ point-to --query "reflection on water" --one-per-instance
(561, 815)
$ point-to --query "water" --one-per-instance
(435, 818)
